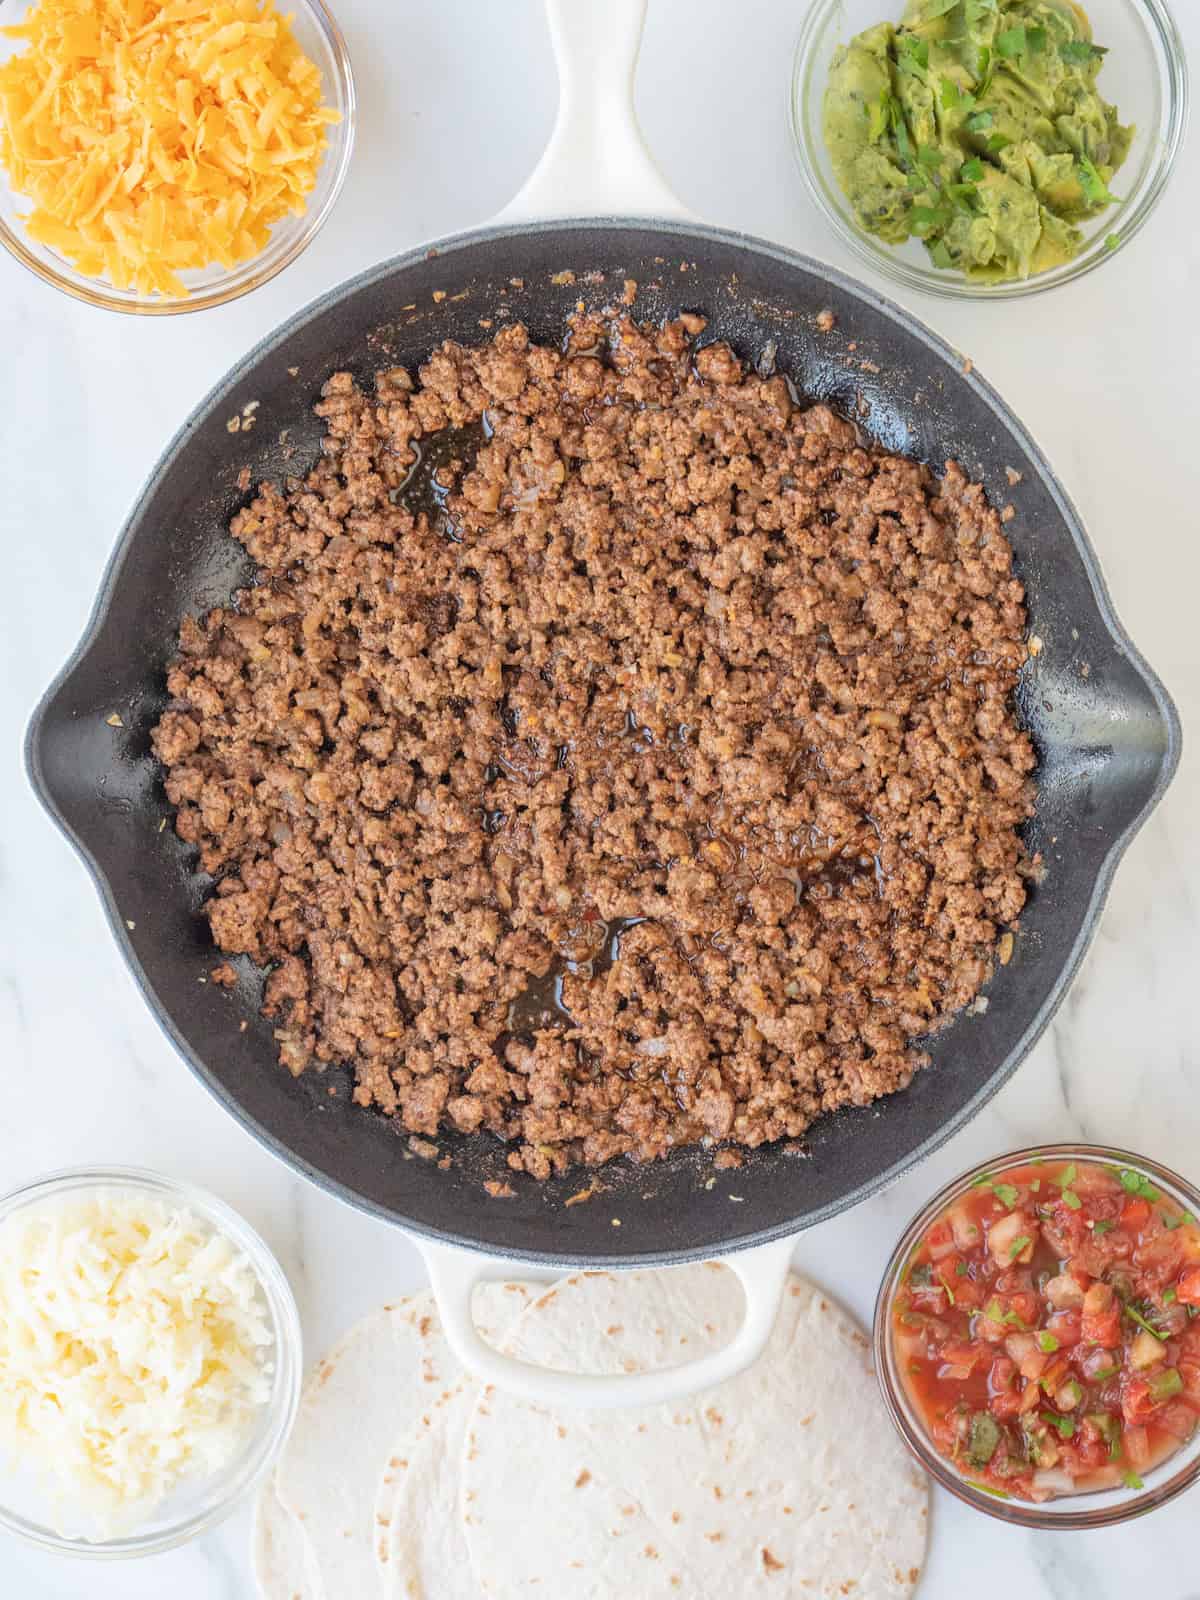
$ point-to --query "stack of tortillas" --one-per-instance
(403, 1480)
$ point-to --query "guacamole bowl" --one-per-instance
(1143, 74)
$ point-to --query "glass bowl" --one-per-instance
(1095, 1509)
(196, 1504)
(321, 39)
(1144, 75)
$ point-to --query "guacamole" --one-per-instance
(976, 125)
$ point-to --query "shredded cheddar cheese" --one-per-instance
(154, 137)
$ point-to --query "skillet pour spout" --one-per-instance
(1106, 732)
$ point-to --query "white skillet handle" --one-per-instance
(454, 1275)
(596, 163)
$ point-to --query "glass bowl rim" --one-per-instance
(246, 275)
(279, 1412)
(930, 280)
(1022, 1513)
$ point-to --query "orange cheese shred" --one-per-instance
(158, 137)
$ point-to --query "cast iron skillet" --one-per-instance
(1106, 732)
(1107, 735)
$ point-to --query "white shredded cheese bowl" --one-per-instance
(150, 1361)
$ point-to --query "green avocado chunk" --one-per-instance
(976, 125)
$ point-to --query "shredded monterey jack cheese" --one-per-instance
(134, 1351)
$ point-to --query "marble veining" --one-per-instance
(1102, 374)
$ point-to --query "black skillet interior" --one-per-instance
(1106, 732)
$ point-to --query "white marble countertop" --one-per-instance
(1104, 375)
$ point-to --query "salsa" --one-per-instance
(1048, 1329)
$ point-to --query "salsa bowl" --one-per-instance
(1037, 1336)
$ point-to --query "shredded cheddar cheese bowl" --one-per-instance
(159, 156)
(150, 1362)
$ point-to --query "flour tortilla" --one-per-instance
(788, 1480)
(421, 1547)
(389, 1372)
(427, 1551)
(281, 1555)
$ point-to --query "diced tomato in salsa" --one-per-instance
(1100, 1322)
(1048, 1329)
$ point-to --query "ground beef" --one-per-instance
(613, 754)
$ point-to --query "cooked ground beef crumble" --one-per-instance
(653, 780)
